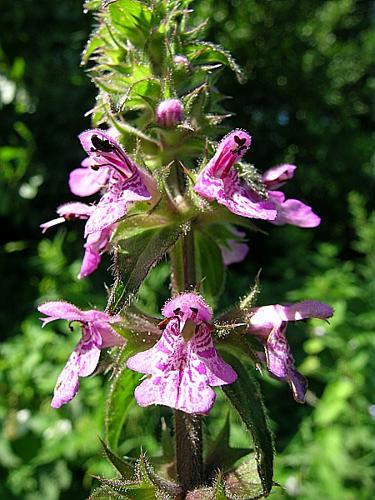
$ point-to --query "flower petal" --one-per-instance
(275, 177)
(105, 214)
(60, 310)
(298, 384)
(67, 383)
(207, 361)
(176, 390)
(186, 301)
(279, 358)
(86, 181)
(88, 351)
(293, 212)
(90, 261)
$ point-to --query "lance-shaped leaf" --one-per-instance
(139, 249)
(215, 492)
(221, 455)
(124, 467)
(245, 396)
(209, 266)
(132, 19)
(121, 396)
(206, 52)
(244, 481)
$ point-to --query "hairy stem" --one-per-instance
(188, 428)
(189, 457)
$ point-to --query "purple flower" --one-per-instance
(88, 179)
(219, 180)
(268, 324)
(96, 243)
(184, 363)
(288, 211)
(169, 113)
(234, 250)
(97, 334)
(125, 182)
(69, 211)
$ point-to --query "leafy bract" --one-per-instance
(141, 242)
(244, 395)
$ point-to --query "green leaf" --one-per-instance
(125, 468)
(245, 396)
(221, 455)
(132, 19)
(137, 254)
(219, 492)
(121, 396)
(209, 266)
(244, 482)
(105, 493)
(207, 52)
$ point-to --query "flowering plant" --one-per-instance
(167, 189)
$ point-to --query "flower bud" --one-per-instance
(169, 113)
(181, 61)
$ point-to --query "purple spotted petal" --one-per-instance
(242, 200)
(218, 180)
(278, 354)
(67, 383)
(105, 215)
(209, 363)
(293, 212)
(177, 390)
(113, 205)
(277, 176)
(181, 371)
(134, 189)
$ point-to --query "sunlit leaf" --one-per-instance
(245, 396)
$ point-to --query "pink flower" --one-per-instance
(169, 113)
(88, 179)
(288, 211)
(184, 363)
(268, 324)
(234, 250)
(126, 182)
(219, 180)
(97, 334)
(69, 211)
(96, 243)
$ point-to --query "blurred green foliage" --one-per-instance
(308, 101)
